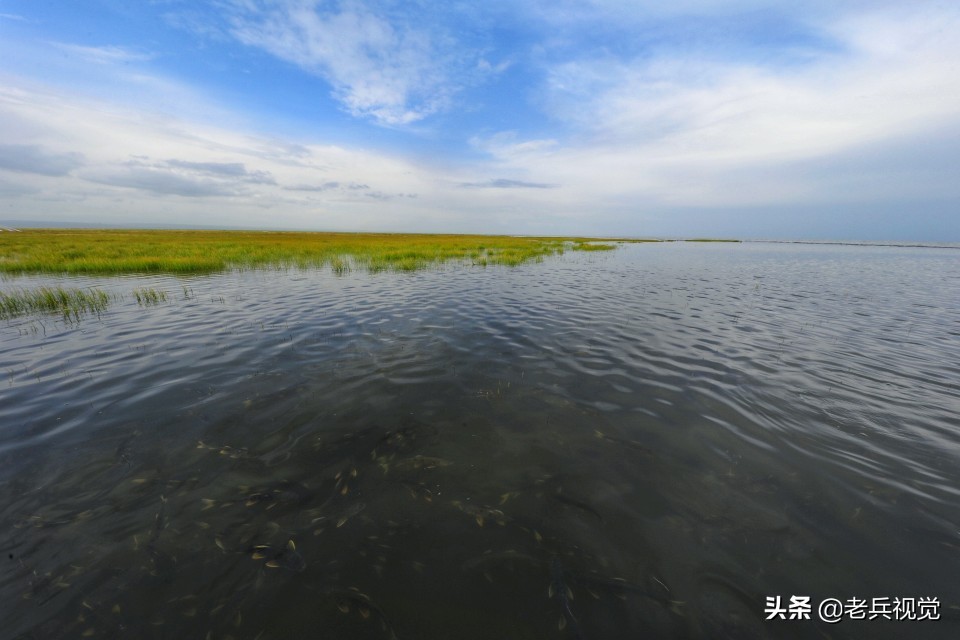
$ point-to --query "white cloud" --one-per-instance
(632, 13)
(689, 131)
(385, 69)
(159, 182)
(140, 166)
(143, 167)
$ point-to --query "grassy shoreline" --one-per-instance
(114, 251)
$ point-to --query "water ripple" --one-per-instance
(723, 422)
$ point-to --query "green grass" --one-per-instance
(110, 252)
(147, 296)
(593, 246)
(97, 251)
(70, 303)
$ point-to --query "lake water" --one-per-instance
(655, 442)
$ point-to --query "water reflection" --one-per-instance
(643, 444)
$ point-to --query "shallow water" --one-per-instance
(670, 433)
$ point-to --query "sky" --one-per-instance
(822, 119)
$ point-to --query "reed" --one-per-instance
(70, 303)
(147, 296)
(100, 251)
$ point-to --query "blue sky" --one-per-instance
(734, 118)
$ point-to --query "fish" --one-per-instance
(418, 492)
(560, 591)
(573, 502)
(284, 492)
(507, 496)
(230, 452)
(351, 511)
(286, 557)
(482, 514)
(351, 597)
(164, 564)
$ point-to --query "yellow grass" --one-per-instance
(96, 251)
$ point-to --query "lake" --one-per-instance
(670, 440)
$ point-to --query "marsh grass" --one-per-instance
(97, 251)
(593, 246)
(70, 303)
(147, 296)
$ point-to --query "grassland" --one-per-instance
(96, 251)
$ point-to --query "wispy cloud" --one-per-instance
(235, 170)
(180, 177)
(380, 66)
(508, 146)
(895, 71)
(196, 22)
(102, 55)
(678, 129)
(159, 182)
(125, 77)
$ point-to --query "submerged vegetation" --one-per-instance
(70, 303)
(97, 251)
(147, 295)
